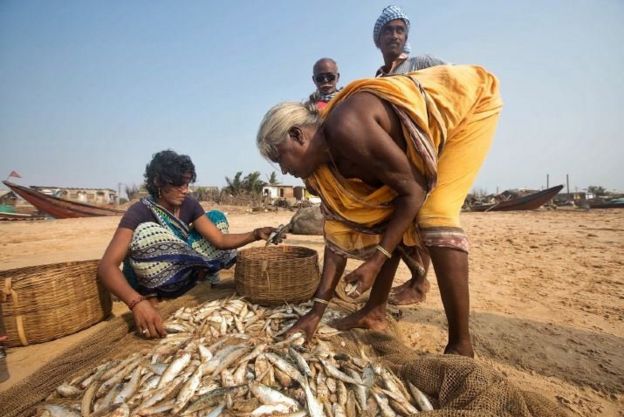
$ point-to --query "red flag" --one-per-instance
(14, 174)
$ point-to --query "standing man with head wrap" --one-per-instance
(390, 36)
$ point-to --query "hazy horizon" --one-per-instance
(90, 90)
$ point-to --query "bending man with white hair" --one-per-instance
(392, 160)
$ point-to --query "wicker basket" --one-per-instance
(46, 302)
(277, 274)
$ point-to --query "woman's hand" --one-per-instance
(307, 324)
(148, 321)
(264, 233)
(363, 278)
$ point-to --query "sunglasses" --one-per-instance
(326, 77)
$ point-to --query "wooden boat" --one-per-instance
(527, 202)
(18, 216)
(617, 203)
(60, 208)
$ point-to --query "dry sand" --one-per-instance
(547, 292)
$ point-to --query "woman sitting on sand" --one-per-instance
(392, 160)
(167, 242)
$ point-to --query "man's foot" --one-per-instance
(363, 319)
(462, 349)
(412, 292)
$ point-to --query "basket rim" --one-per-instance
(66, 264)
(280, 248)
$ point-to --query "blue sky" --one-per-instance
(90, 90)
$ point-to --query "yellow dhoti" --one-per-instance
(448, 116)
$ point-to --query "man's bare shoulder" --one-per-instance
(353, 114)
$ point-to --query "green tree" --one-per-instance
(596, 190)
(253, 184)
(273, 179)
(234, 186)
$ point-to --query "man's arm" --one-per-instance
(360, 132)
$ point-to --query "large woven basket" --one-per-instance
(277, 274)
(42, 303)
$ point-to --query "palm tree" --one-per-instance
(273, 179)
(252, 183)
(235, 185)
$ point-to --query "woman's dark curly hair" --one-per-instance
(167, 167)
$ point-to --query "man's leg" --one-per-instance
(451, 267)
(415, 290)
(373, 314)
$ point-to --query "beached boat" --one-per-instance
(4, 216)
(60, 208)
(527, 202)
(601, 204)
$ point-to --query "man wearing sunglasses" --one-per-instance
(390, 36)
(325, 76)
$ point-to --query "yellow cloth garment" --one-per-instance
(448, 115)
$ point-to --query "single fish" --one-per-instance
(130, 387)
(174, 369)
(300, 361)
(58, 410)
(361, 391)
(315, 409)
(156, 409)
(337, 373)
(286, 367)
(270, 396)
(188, 390)
(384, 407)
(420, 398)
(66, 390)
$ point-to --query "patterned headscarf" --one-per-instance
(388, 14)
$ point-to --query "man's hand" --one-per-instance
(307, 325)
(362, 278)
(148, 321)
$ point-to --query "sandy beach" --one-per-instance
(547, 294)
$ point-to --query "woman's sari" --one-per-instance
(167, 258)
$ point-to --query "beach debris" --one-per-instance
(227, 358)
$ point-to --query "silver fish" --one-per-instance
(337, 373)
(174, 369)
(188, 390)
(285, 366)
(315, 409)
(58, 410)
(301, 362)
(361, 391)
(130, 387)
(420, 398)
(270, 396)
(384, 407)
(68, 391)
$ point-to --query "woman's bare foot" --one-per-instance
(461, 348)
(373, 319)
(412, 292)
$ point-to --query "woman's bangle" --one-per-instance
(320, 300)
(136, 301)
(384, 251)
(255, 234)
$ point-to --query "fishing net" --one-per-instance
(456, 385)
(115, 339)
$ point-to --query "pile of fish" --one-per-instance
(226, 358)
